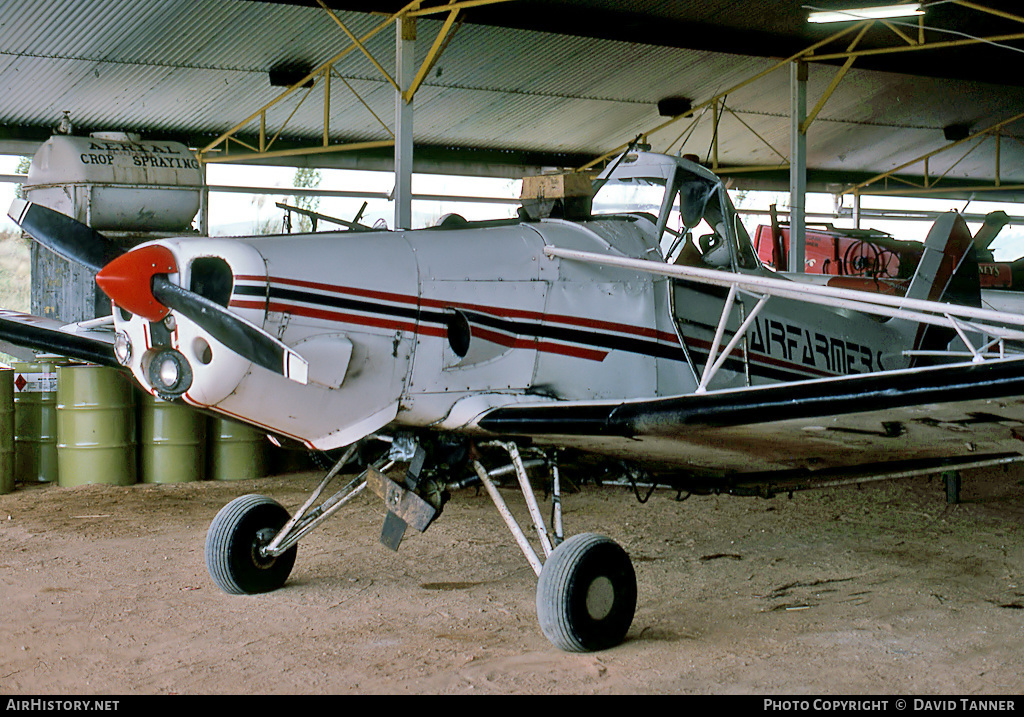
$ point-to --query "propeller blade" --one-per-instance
(120, 274)
(242, 337)
(63, 235)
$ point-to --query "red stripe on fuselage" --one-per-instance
(423, 329)
(516, 342)
(339, 316)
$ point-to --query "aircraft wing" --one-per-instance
(86, 341)
(896, 422)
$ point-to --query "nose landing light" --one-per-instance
(169, 373)
(122, 348)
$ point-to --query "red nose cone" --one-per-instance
(128, 280)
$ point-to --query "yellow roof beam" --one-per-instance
(440, 42)
(362, 48)
(993, 129)
(411, 10)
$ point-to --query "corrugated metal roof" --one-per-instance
(195, 68)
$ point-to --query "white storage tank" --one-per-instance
(114, 181)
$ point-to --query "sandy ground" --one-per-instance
(882, 589)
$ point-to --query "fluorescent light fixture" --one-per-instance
(867, 13)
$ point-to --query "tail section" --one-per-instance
(948, 273)
(948, 270)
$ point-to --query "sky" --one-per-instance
(239, 214)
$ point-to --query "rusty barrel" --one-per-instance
(6, 430)
(172, 441)
(95, 426)
(35, 421)
(237, 451)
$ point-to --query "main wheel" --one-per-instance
(586, 594)
(233, 544)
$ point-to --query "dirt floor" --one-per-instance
(882, 589)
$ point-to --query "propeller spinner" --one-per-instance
(138, 281)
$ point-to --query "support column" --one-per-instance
(797, 165)
(204, 204)
(952, 481)
(405, 49)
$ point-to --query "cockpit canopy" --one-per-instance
(695, 219)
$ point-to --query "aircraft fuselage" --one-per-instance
(433, 327)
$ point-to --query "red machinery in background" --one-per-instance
(870, 253)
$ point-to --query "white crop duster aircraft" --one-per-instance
(643, 336)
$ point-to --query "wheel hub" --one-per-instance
(600, 598)
(259, 558)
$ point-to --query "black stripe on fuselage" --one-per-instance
(577, 336)
(333, 301)
(758, 369)
(514, 327)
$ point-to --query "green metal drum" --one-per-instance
(172, 441)
(6, 430)
(35, 421)
(237, 451)
(95, 426)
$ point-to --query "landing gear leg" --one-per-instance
(586, 588)
(252, 542)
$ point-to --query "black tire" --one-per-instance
(232, 542)
(586, 595)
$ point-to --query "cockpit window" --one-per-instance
(694, 196)
(703, 229)
(697, 222)
(629, 195)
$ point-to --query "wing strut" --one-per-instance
(710, 369)
(531, 502)
(995, 324)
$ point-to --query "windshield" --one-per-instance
(703, 228)
(691, 207)
(630, 195)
